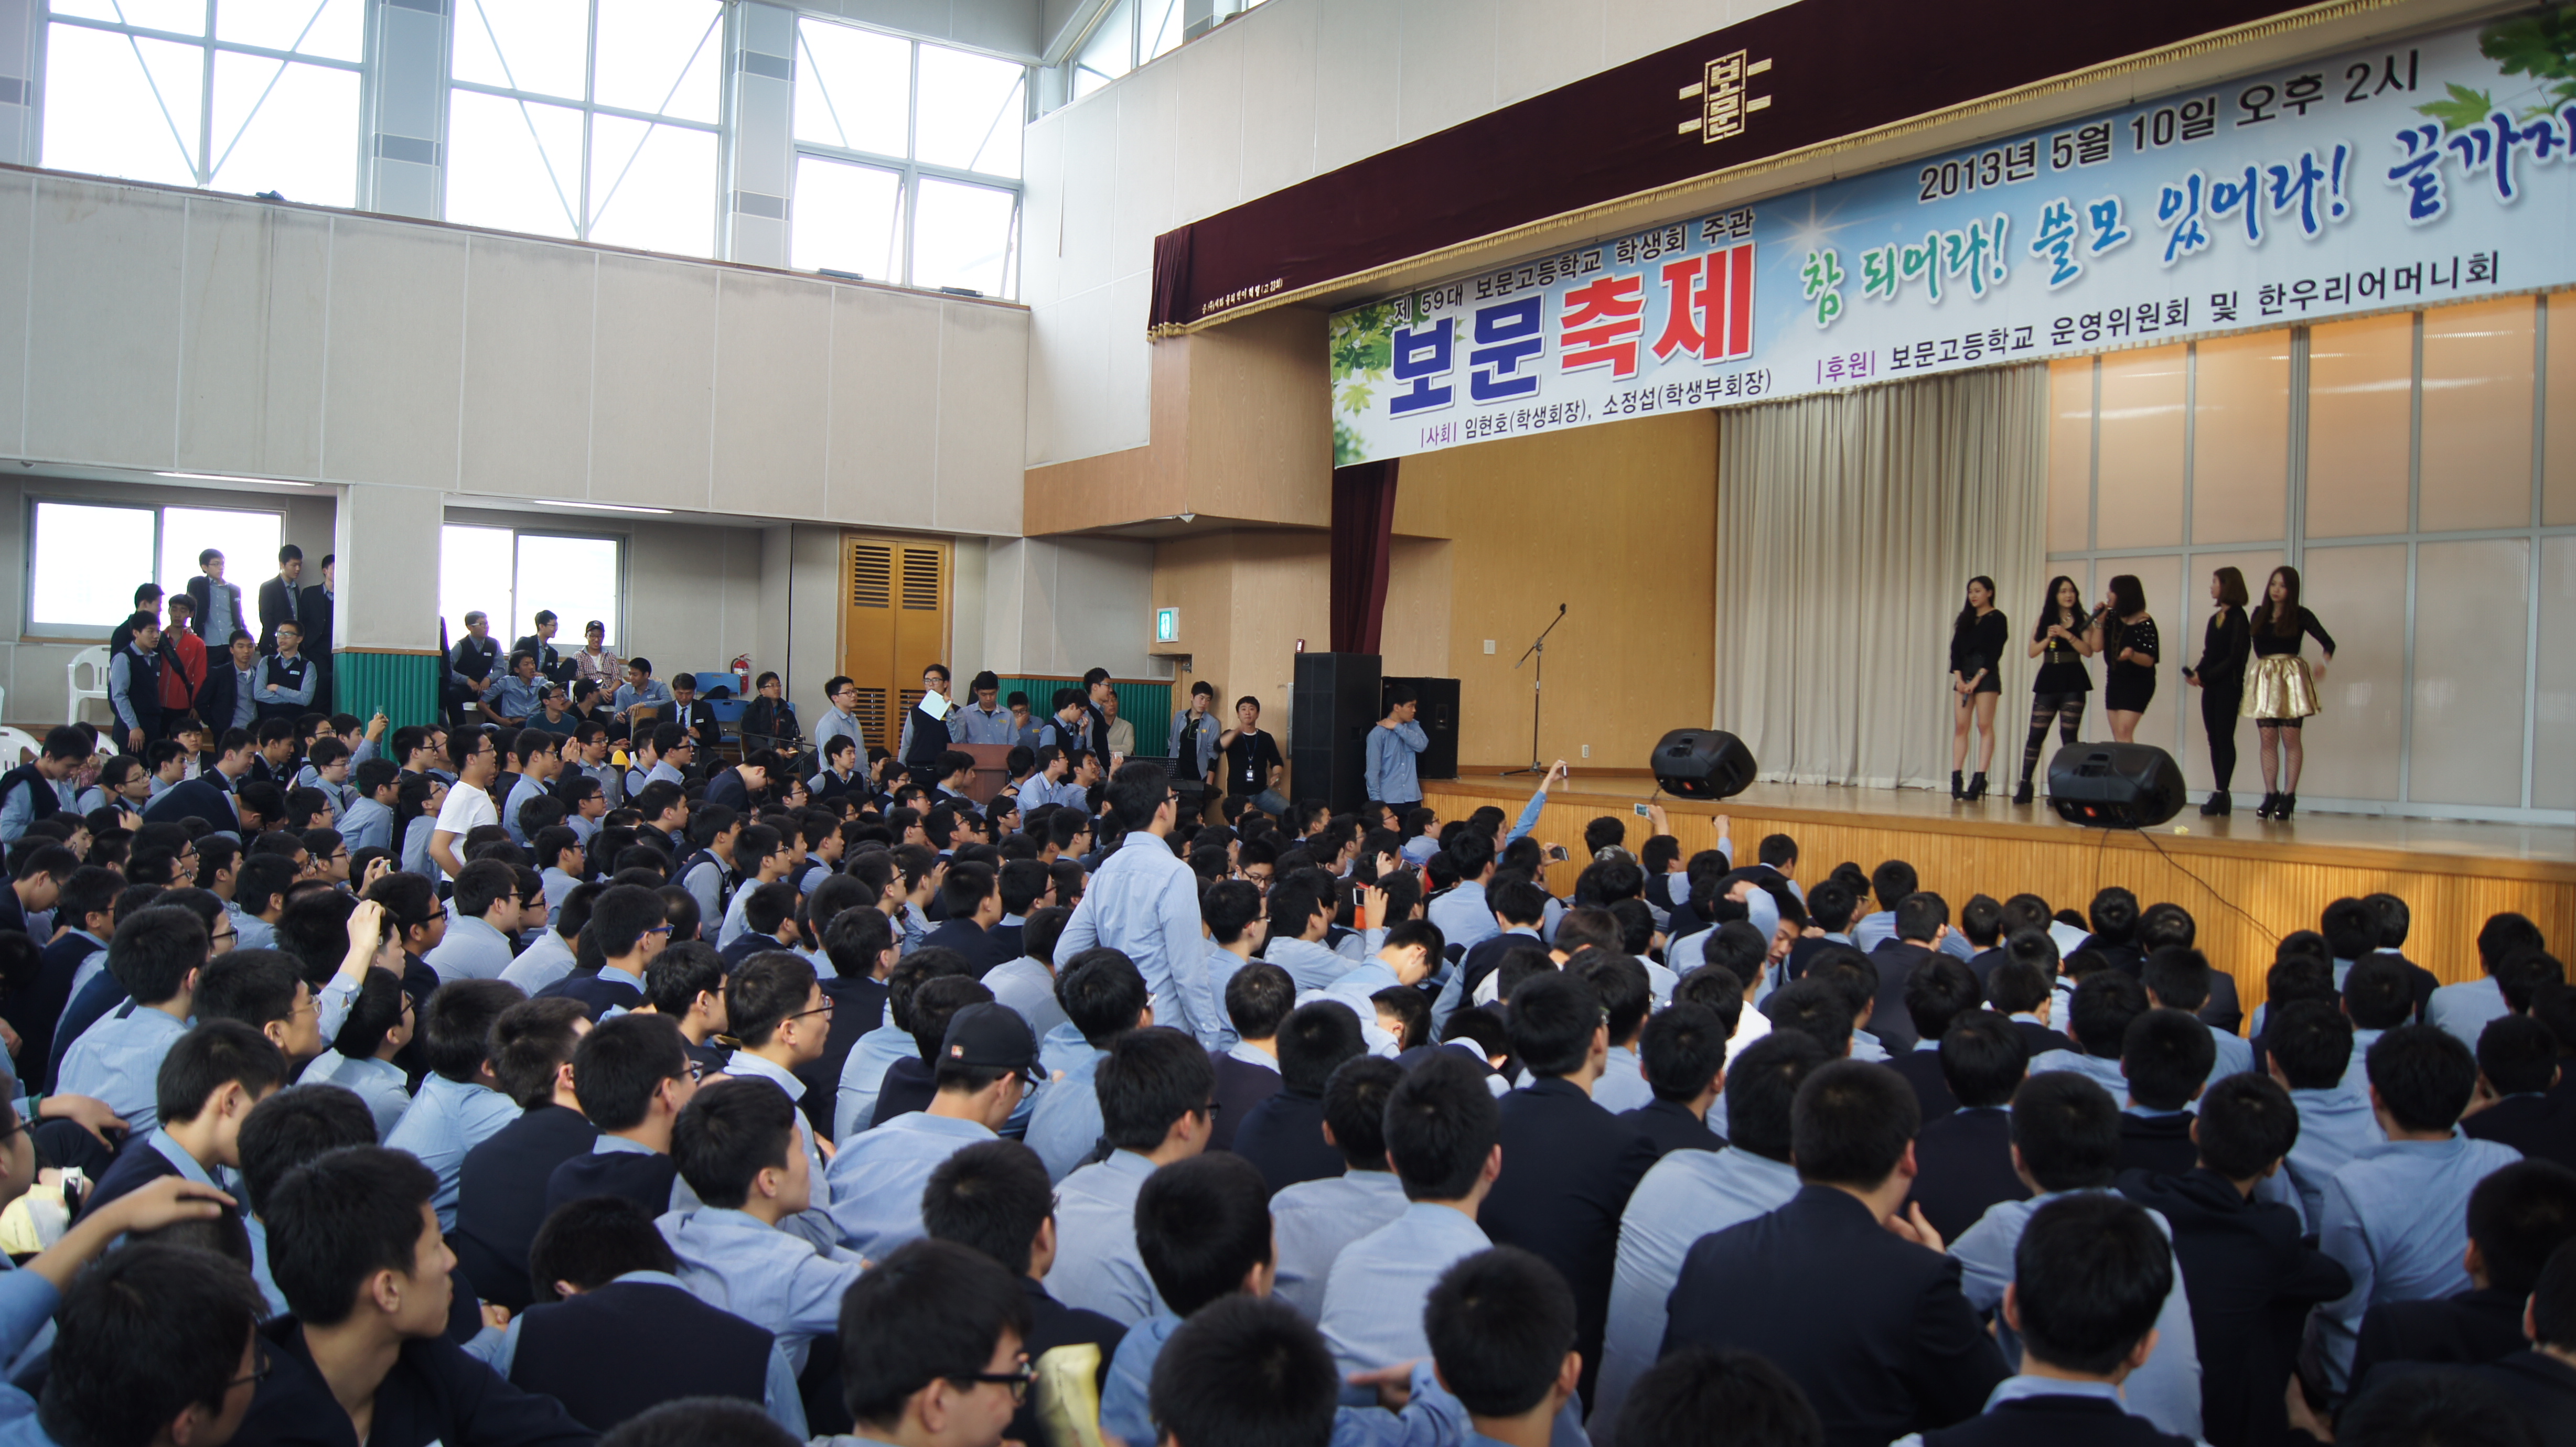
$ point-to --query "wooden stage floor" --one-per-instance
(2246, 882)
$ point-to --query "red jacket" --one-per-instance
(179, 685)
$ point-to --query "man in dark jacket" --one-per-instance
(1284, 1135)
(281, 598)
(501, 1188)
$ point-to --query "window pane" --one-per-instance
(661, 56)
(964, 237)
(576, 577)
(248, 541)
(2139, 490)
(2477, 418)
(652, 187)
(287, 128)
(119, 106)
(853, 88)
(2361, 375)
(970, 111)
(514, 165)
(847, 218)
(473, 576)
(536, 45)
(333, 28)
(1160, 31)
(184, 17)
(1109, 52)
(84, 563)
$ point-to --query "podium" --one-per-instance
(992, 770)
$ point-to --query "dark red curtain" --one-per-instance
(1363, 535)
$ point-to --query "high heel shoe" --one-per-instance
(2219, 805)
(1957, 792)
(1976, 788)
(2288, 803)
(2022, 794)
(2271, 802)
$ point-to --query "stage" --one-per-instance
(2246, 881)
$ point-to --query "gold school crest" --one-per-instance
(1723, 103)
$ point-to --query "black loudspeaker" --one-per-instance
(1438, 714)
(2115, 786)
(1702, 764)
(1334, 705)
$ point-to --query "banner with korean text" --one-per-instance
(2405, 175)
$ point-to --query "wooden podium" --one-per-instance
(992, 770)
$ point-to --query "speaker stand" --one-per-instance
(1538, 680)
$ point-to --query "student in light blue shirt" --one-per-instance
(1465, 918)
(66, 750)
(2177, 978)
(368, 822)
(2104, 1004)
(1444, 1138)
(2396, 1216)
(1299, 920)
(2308, 1047)
(1313, 1220)
(1204, 1231)
(380, 1022)
(1144, 902)
(987, 1061)
(642, 689)
(777, 1009)
(513, 700)
(736, 1146)
(485, 919)
(459, 1105)
(117, 1061)
(1157, 1092)
(1393, 746)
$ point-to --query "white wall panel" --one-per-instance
(396, 349)
(527, 369)
(104, 322)
(255, 295)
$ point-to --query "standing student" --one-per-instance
(287, 678)
(280, 596)
(2124, 632)
(1977, 640)
(1253, 768)
(1194, 732)
(218, 609)
(1394, 746)
(134, 684)
(2225, 645)
(2281, 690)
(314, 610)
(2060, 641)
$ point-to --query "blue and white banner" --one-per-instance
(2395, 177)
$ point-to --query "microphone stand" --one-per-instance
(1538, 680)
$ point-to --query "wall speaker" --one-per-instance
(2115, 786)
(1702, 764)
(1330, 713)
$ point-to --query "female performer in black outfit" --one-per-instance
(2281, 690)
(2123, 631)
(1977, 642)
(2060, 641)
(2220, 677)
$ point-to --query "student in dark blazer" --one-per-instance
(280, 597)
(2166, 1056)
(2518, 1064)
(1940, 990)
(2519, 1217)
(1284, 1135)
(1257, 1002)
(1964, 1161)
(501, 1188)
(1870, 1322)
(972, 895)
(1569, 1166)
(2249, 1277)
(1683, 1049)
(1922, 923)
(314, 608)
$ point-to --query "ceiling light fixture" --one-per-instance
(603, 506)
(225, 477)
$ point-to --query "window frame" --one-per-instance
(52, 631)
(566, 628)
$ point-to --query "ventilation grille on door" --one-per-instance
(872, 713)
(921, 579)
(872, 576)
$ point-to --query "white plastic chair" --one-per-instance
(17, 746)
(94, 659)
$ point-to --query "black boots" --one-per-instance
(2219, 804)
(2282, 809)
(2022, 794)
(2275, 806)
(1957, 791)
(1977, 788)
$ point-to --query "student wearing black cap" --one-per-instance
(987, 1063)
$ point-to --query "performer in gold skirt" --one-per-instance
(2281, 689)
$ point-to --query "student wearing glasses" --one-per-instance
(628, 924)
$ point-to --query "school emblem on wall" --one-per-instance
(1723, 103)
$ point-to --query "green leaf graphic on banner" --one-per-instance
(2464, 109)
(1362, 346)
(2542, 46)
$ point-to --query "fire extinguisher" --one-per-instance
(742, 675)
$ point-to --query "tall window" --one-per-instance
(232, 95)
(908, 160)
(84, 559)
(593, 120)
(514, 575)
(1131, 32)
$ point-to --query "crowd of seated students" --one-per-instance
(451, 1083)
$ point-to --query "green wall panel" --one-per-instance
(1146, 705)
(404, 685)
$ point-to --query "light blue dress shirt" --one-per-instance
(301, 695)
(652, 694)
(1463, 915)
(1684, 1196)
(1028, 987)
(1372, 1314)
(367, 825)
(1144, 902)
(2102, 1072)
(1391, 753)
(1877, 929)
(878, 1176)
(1312, 1221)
(1621, 1087)
(472, 950)
(778, 1394)
(2166, 1391)
(223, 616)
(377, 1082)
(854, 1096)
(1357, 984)
(2467, 1008)
(2335, 1126)
(836, 724)
(513, 697)
(540, 964)
(27, 1303)
(1097, 1265)
(772, 1278)
(257, 1230)
(814, 1223)
(2397, 1217)
(971, 725)
(2235, 1055)
(1065, 1125)
(118, 1061)
(1125, 1411)
(1310, 963)
(18, 810)
(120, 685)
(520, 793)
(1418, 850)
(446, 1120)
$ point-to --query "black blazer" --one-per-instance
(1284, 1136)
(644, 1179)
(274, 608)
(1568, 1169)
(434, 1393)
(594, 992)
(2477, 1325)
(2037, 1039)
(1875, 1329)
(2543, 1387)
(2052, 1421)
(137, 1165)
(2250, 1282)
(314, 608)
(1052, 1325)
(858, 1006)
(1240, 1085)
(1897, 961)
(1922, 1070)
(2157, 1143)
(620, 1350)
(218, 695)
(1669, 1126)
(907, 1086)
(2539, 1127)
(501, 1198)
(969, 939)
(1963, 1165)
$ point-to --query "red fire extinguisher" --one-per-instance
(742, 675)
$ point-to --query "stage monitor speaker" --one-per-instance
(2115, 786)
(1334, 705)
(1437, 712)
(1702, 764)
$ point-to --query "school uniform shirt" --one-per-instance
(285, 685)
(18, 805)
(434, 1393)
(1669, 1125)
(1372, 1312)
(1621, 1088)
(1097, 1266)
(377, 1082)
(651, 695)
(772, 1278)
(367, 824)
(2466, 1009)
(815, 1221)
(471, 950)
(1028, 987)
(973, 725)
(144, 1160)
(2166, 1391)
(118, 1061)
(1144, 901)
(2336, 1127)
(1312, 1221)
(1391, 756)
(447, 1119)
(1465, 919)
(2396, 1217)
(541, 964)
(878, 1176)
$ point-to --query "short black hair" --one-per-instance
(992, 1196)
(726, 1136)
(339, 1219)
(1441, 1126)
(2090, 1276)
(767, 989)
(1103, 994)
(2553, 1304)
(1619, 983)
(296, 1125)
(1682, 1048)
(1258, 998)
(2444, 1409)
(932, 1311)
(1814, 1008)
(1149, 1080)
(255, 987)
(2518, 1217)
(141, 1337)
(2424, 1076)
(2350, 927)
(621, 1063)
(2113, 915)
(619, 917)
(1246, 1372)
(2104, 1004)
(1763, 1085)
(1499, 1323)
(1553, 1017)
(1202, 1225)
(2243, 1124)
(2518, 1055)
(153, 951)
(2378, 992)
(2505, 935)
(215, 1054)
(2311, 1041)
(2016, 987)
(592, 1242)
(2167, 1056)
(2068, 1131)
(1355, 1101)
(1702, 1396)
(1314, 1041)
(531, 1043)
(1938, 991)
(1831, 905)
(1851, 1122)
(1982, 1059)
(2177, 976)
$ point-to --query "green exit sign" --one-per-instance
(1167, 625)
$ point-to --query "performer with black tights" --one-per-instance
(2220, 676)
(2060, 641)
(2281, 690)
(1977, 642)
